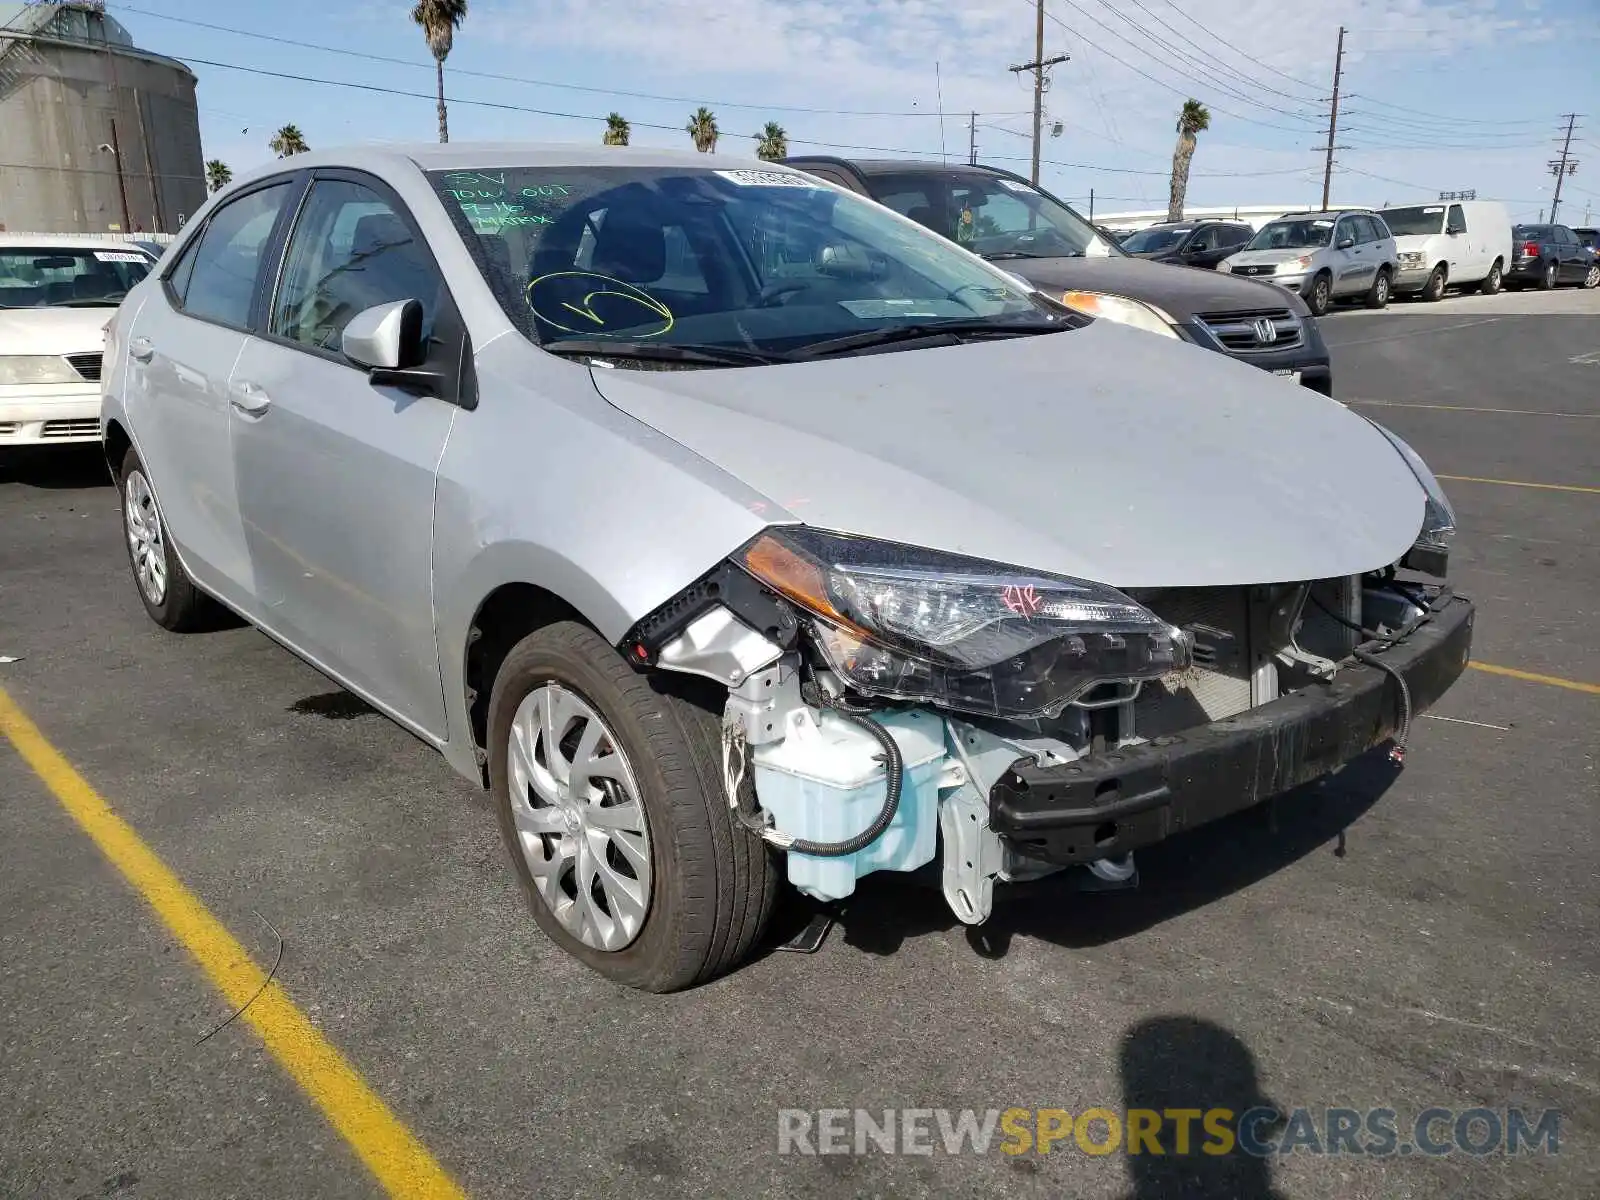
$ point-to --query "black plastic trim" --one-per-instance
(758, 606)
(1107, 804)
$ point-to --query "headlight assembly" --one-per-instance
(1432, 547)
(961, 633)
(1122, 309)
(36, 368)
(1293, 265)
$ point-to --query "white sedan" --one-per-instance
(56, 294)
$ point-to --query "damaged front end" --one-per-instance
(888, 705)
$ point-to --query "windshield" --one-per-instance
(751, 262)
(1147, 241)
(990, 214)
(44, 277)
(1302, 233)
(1536, 233)
(1425, 218)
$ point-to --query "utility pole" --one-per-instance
(1562, 167)
(1038, 66)
(972, 140)
(1333, 120)
(1091, 206)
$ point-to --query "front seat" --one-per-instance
(630, 245)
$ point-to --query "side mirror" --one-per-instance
(1452, 230)
(386, 337)
(1346, 243)
(386, 341)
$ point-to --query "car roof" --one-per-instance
(1331, 214)
(895, 166)
(383, 158)
(65, 241)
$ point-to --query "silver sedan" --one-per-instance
(731, 529)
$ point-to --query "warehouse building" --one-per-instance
(96, 135)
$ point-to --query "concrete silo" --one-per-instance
(96, 135)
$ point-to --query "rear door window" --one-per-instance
(228, 261)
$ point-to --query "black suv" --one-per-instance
(1032, 234)
(1200, 243)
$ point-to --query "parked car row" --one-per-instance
(1421, 250)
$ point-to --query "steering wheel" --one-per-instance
(778, 288)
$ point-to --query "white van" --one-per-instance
(1461, 244)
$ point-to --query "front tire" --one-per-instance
(1592, 279)
(168, 594)
(1433, 290)
(1320, 296)
(608, 787)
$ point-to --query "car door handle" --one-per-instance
(141, 349)
(248, 398)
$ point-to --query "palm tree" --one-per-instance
(772, 143)
(288, 140)
(218, 174)
(703, 130)
(1194, 119)
(617, 130)
(439, 20)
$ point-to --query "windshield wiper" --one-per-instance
(718, 356)
(910, 333)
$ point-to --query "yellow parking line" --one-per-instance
(390, 1151)
(1553, 680)
(1551, 487)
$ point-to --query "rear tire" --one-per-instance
(1320, 296)
(1547, 277)
(1433, 290)
(166, 590)
(1492, 281)
(711, 883)
(1378, 295)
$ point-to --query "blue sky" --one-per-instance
(1440, 94)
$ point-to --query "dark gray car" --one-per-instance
(1007, 220)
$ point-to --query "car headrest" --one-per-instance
(923, 215)
(378, 231)
(630, 245)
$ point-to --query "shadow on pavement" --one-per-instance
(1176, 1062)
(55, 467)
(1177, 876)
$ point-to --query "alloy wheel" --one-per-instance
(579, 818)
(145, 538)
(1592, 279)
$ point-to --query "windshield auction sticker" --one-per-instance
(767, 179)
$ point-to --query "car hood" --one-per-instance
(1263, 257)
(53, 330)
(1414, 241)
(1104, 453)
(1183, 292)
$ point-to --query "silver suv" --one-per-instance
(1325, 256)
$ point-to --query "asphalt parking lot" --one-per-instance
(1399, 940)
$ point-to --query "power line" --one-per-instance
(1313, 87)
(1162, 83)
(518, 79)
(1211, 61)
